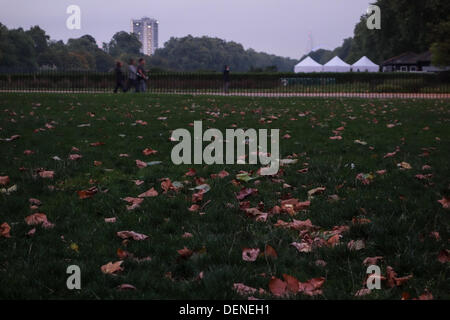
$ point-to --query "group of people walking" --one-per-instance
(137, 77)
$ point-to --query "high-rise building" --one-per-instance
(146, 30)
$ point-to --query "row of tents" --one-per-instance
(336, 65)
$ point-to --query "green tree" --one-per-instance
(123, 43)
(440, 49)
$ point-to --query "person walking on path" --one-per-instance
(226, 78)
(142, 77)
(132, 76)
(119, 77)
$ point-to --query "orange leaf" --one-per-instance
(150, 193)
(270, 252)
(4, 180)
(185, 252)
(4, 230)
(292, 283)
(112, 268)
(131, 234)
(277, 287)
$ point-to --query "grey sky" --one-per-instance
(274, 26)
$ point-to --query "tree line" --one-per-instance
(34, 50)
(406, 25)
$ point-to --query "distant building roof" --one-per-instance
(409, 58)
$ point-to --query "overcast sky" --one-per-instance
(274, 26)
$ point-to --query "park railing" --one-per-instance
(356, 84)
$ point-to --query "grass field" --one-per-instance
(394, 214)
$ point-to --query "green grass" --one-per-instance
(403, 210)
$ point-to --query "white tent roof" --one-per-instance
(337, 62)
(308, 65)
(336, 65)
(364, 64)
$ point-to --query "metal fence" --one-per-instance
(353, 84)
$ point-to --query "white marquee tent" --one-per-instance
(336, 65)
(365, 65)
(308, 65)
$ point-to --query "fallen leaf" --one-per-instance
(131, 234)
(444, 256)
(148, 194)
(124, 287)
(243, 290)
(372, 260)
(312, 287)
(4, 180)
(269, 251)
(185, 252)
(149, 151)
(445, 202)
(357, 245)
(292, 284)
(363, 292)
(250, 254)
(46, 174)
(277, 287)
(112, 268)
(4, 230)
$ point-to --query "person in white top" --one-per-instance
(132, 76)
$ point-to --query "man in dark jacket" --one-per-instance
(141, 76)
(226, 78)
(119, 77)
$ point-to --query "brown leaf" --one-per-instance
(445, 202)
(131, 234)
(185, 252)
(277, 287)
(426, 296)
(303, 247)
(363, 292)
(357, 245)
(250, 254)
(123, 254)
(134, 202)
(334, 240)
(191, 172)
(245, 192)
(444, 256)
(371, 260)
(269, 251)
(112, 268)
(141, 164)
(312, 287)
(4, 230)
(124, 287)
(46, 174)
(86, 194)
(194, 208)
(223, 174)
(36, 219)
(243, 290)
(167, 185)
(4, 180)
(292, 283)
(148, 194)
(149, 151)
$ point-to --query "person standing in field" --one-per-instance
(226, 78)
(142, 77)
(132, 76)
(119, 77)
